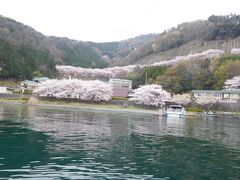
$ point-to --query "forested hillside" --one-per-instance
(25, 53)
(114, 52)
(77, 53)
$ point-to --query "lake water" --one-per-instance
(44, 143)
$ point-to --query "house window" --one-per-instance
(226, 96)
(217, 95)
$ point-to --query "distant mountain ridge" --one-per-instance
(25, 52)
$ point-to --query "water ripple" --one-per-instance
(73, 144)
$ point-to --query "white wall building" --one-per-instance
(6, 90)
(121, 87)
(225, 96)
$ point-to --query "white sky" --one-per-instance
(111, 20)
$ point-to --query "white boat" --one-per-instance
(209, 113)
(174, 110)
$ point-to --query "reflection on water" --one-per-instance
(172, 125)
(43, 143)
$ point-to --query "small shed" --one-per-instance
(6, 90)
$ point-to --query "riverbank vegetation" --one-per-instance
(195, 109)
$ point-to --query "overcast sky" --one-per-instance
(111, 20)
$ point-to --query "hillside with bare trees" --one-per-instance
(25, 53)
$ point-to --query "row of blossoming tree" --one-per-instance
(96, 90)
(123, 71)
(74, 88)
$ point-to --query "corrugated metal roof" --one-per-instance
(40, 79)
(120, 80)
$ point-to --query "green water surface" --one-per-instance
(42, 143)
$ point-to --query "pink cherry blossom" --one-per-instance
(73, 88)
(152, 95)
(233, 83)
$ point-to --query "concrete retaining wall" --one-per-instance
(120, 103)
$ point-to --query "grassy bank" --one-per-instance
(60, 103)
(88, 105)
(97, 106)
(19, 100)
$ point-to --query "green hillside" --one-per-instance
(25, 52)
(77, 53)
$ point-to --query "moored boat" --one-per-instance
(209, 113)
(174, 110)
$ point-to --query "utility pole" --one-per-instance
(146, 78)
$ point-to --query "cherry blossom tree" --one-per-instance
(235, 51)
(74, 88)
(207, 102)
(152, 95)
(183, 99)
(233, 83)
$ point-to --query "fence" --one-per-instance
(227, 107)
(13, 96)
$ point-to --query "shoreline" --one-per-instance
(99, 107)
(52, 105)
